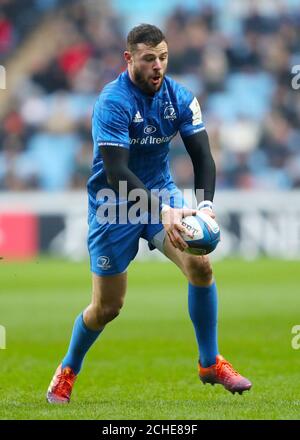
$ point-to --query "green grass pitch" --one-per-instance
(144, 364)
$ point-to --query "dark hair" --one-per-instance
(144, 33)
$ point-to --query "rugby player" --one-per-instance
(134, 120)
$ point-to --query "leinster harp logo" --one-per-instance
(169, 112)
(104, 262)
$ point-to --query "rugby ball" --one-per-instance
(206, 234)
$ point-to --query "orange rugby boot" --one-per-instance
(224, 374)
(60, 388)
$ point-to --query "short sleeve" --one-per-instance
(191, 117)
(110, 124)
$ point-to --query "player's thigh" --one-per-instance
(197, 268)
(112, 246)
(109, 290)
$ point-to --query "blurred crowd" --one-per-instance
(17, 19)
(237, 62)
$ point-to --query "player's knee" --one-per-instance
(199, 271)
(108, 312)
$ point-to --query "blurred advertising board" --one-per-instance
(253, 224)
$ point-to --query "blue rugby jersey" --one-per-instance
(126, 117)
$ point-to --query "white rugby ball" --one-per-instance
(206, 234)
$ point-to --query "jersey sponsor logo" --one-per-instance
(169, 113)
(152, 140)
(103, 262)
(196, 110)
(138, 118)
(149, 129)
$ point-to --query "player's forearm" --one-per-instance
(205, 178)
(115, 161)
(124, 174)
(204, 166)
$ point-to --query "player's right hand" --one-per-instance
(171, 220)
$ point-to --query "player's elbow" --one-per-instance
(211, 162)
(113, 180)
(115, 175)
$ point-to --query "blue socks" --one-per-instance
(203, 310)
(81, 340)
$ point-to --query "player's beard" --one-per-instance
(144, 84)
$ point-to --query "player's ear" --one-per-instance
(128, 56)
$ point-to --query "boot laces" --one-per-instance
(65, 381)
(224, 368)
